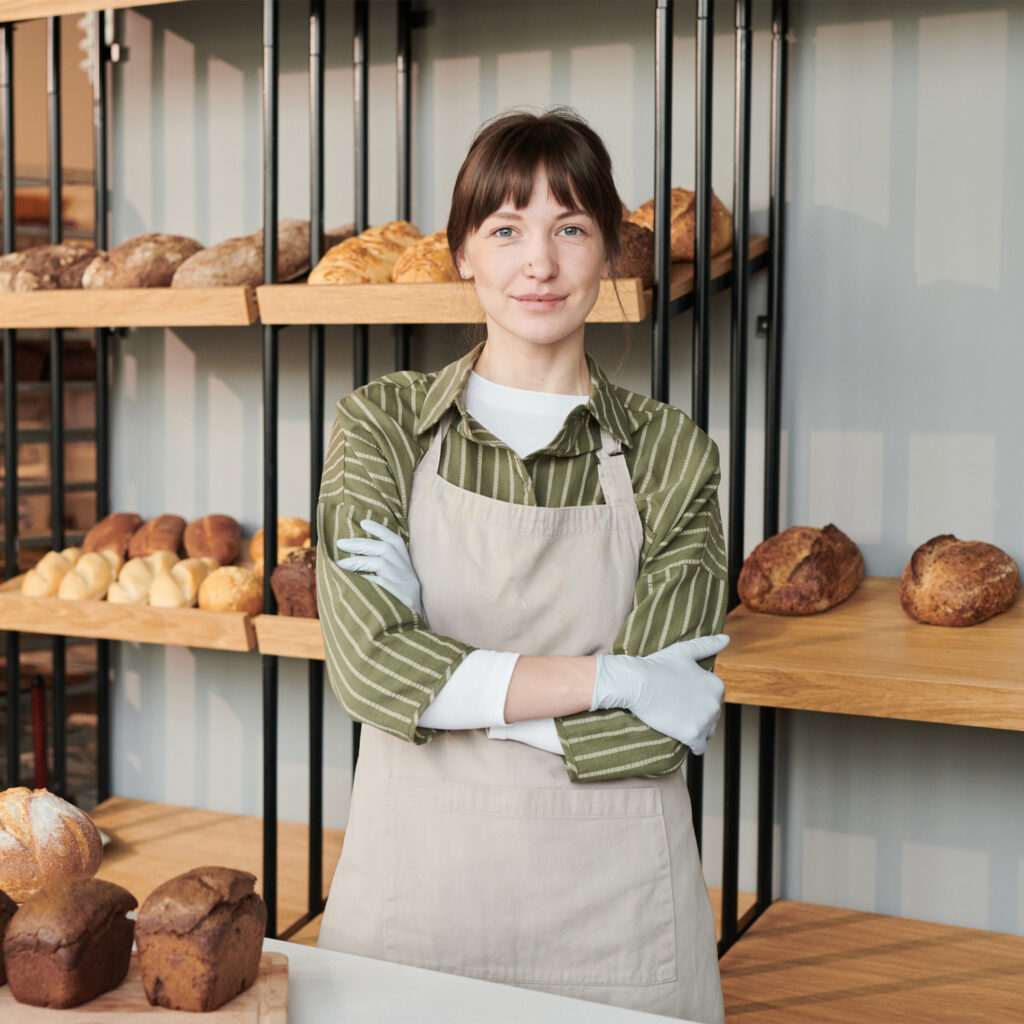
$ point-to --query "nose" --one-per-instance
(541, 259)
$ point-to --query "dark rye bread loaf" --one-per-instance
(45, 267)
(294, 584)
(950, 582)
(636, 253)
(69, 943)
(7, 909)
(801, 571)
(199, 938)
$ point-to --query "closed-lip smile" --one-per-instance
(540, 299)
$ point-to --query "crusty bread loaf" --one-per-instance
(292, 533)
(160, 534)
(683, 219)
(45, 267)
(368, 258)
(427, 260)
(178, 586)
(69, 943)
(636, 253)
(43, 579)
(7, 909)
(801, 571)
(90, 578)
(294, 584)
(231, 589)
(200, 936)
(146, 261)
(113, 531)
(218, 537)
(42, 838)
(950, 582)
(239, 261)
(400, 232)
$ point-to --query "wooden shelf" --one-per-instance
(151, 842)
(866, 657)
(805, 964)
(456, 303)
(129, 307)
(26, 10)
(289, 636)
(189, 627)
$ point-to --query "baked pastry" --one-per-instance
(682, 220)
(801, 571)
(231, 589)
(45, 267)
(368, 258)
(294, 584)
(136, 577)
(113, 531)
(146, 261)
(428, 259)
(42, 838)
(200, 937)
(90, 578)
(217, 537)
(636, 253)
(402, 233)
(239, 261)
(292, 533)
(69, 943)
(160, 534)
(43, 579)
(178, 586)
(950, 582)
(7, 909)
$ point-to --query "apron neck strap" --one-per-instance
(430, 461)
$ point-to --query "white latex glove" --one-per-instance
(386, 561)
(667, 690)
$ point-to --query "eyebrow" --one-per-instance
(512, 215)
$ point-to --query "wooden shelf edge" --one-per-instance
(288, 636)
(29, 10)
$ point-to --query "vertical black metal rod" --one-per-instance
(104, 764)
(270, 416)
(737, 454)
(702, 224)
(316, 444)
(403, 71)
(662, 193)
(12, 642)
(773, 415)
(361, 121)
(58, 782)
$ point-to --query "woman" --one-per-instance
(551, 517)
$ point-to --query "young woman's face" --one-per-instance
(537, 270)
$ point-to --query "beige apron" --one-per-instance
(479, 857)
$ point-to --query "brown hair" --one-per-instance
(504, 158)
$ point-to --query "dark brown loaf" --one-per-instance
(146, 261)
(45, 267)
(163, 533)
(217, 537)
(113, 532)
(7, 909)
(294, 584)
(199, 938)
(950, 582)
(69, 943)
(801, 571)
(636, 253)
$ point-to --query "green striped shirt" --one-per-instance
(384, 663)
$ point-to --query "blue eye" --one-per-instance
(501, 232)
(573, 230)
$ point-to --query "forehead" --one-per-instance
(541, 194)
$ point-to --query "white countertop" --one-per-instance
(325, 987)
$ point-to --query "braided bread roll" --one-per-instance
(43, 580)
(137, 575)
(89, 580)
(178, 586)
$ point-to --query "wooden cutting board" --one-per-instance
(265, 1003)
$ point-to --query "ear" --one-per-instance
(463, 267)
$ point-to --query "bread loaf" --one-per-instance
(200, 937)
(294, 584)
(178, 586)
(636, 253)
(7, 909)
(146, 261)
(368, 258)
(801, 571)
(683, 223)
(231, 589)
(113, 531)
(45, 267)
(43, 579)
(292, 533)
(42, 838)
(69, 943)
(950, 582)
(136, 578)
(160, 534)
(217, 537)
(428, 259)
(89, 580)
(239, 261)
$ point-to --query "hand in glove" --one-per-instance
(667, 690)
(385, 561)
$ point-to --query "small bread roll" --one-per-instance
(217, 537)
(89, 580)
(683, 221)
(114, 559)
(113, 531)
(231, 589)
(43, 580)
(292, 532)
(178, 587)
(160, 534)
(160, 561)
(427, 260)
(132, 584)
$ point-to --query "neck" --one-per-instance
(557, 369)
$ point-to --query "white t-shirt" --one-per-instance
(474, 696)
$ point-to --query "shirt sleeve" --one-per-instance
(680, 594)
(383, 662)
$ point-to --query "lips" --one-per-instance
(540, 301)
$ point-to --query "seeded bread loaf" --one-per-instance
(368, 258)
(69, 943)
(199, 938)
(950, 582)
(683, 223)
(801, 571)
(231, 589)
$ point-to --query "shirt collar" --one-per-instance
(605, 404)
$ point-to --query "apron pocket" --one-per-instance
(529, 886)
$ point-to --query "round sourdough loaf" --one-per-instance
(43, 838)
(950, 582)
(231, 589)
(801, 571)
